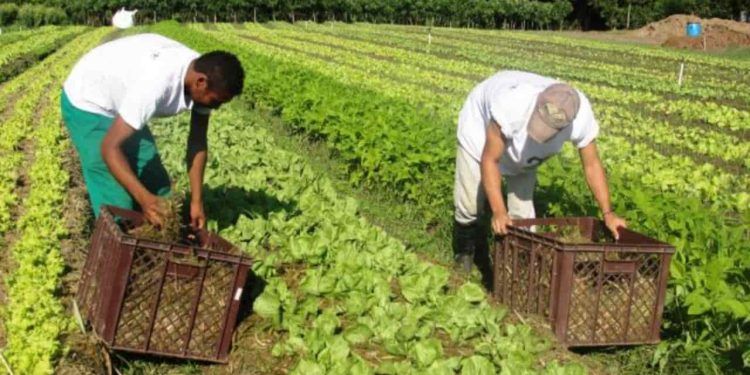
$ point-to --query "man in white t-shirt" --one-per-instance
(508, 126)
(113, 92)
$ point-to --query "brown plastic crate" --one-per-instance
(147, 297)
(593, 291)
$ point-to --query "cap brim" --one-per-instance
(538, 130)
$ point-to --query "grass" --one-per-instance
(400, 219)
(736, 53)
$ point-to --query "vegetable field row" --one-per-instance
(32, 147)
(340, 294)
(21, 51)
(395, 128)
(406, 83)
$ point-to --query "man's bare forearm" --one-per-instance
(492, 181)
(116, 161)
(197, 154)
(596, 178)
(120, 169)
(197, 157)
(597, 182)
(491, 178)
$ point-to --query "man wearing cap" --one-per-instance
(111, 95)
(508, 126)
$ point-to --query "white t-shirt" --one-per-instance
(509, 97)
(137, 77)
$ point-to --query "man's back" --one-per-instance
(101, 79)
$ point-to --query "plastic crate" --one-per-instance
(147, 297)
(594, 291)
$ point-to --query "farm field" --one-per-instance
(667, 149)
(343, 295)
(33, 185)
(21, 49)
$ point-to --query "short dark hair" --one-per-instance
(224, 71)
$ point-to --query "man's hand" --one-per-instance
(154, 209)
(613, 223)
(197, 215)
(500, 224)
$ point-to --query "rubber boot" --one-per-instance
(482, 256)
(464, 245)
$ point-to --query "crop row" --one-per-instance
(711, 188)
(501, 50)
(461, 58)
(344, 297)
(34, 316)
(643, 56)
(449, 78)
(18, 55)
(15, 36)
(441, 109)
(15, 130)
(21, 96)
(404, 147)
(407, 65)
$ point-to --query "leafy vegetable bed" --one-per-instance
(399, 136)
(19, 53)
(344, 296)
(33, 316)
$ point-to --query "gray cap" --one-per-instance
(555, 109)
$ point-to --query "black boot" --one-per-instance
(464, 245)
(482, 256)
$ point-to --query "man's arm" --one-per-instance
(597, 181)
(117, 163)
(494, 147)
(197, 153)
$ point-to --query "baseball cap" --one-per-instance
(555, 109)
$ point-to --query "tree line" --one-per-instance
(514, 14)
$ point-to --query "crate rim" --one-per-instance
(658, 247)
(128, 239)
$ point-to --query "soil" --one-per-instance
(84, 354)
(720, 34)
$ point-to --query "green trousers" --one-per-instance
(87, 131)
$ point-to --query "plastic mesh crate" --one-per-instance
(594, 291)
(175, 300)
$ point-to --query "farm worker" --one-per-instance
(108, 100)
(508, 126)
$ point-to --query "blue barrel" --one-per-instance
(694, 29)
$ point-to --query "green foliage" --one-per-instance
(24, 48)
(32, 15)
(491, 13)
(399, 135)
(8, 13)
(34, 317)
(335, 285)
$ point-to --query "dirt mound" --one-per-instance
(719, 33)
